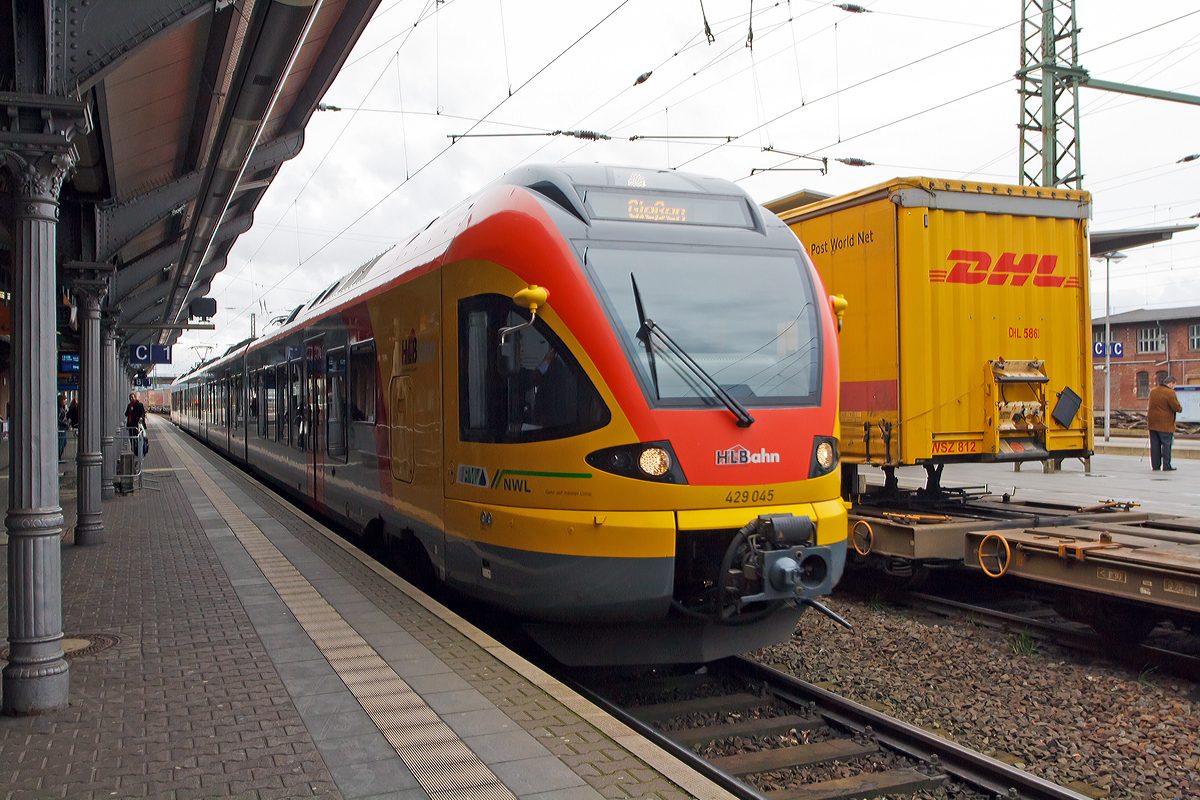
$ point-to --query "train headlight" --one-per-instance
(824, 456)
(654, 461)
(644, 461)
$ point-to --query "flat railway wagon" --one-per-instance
(602, 399)
(968, 339)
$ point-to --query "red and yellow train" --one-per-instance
(603, 399)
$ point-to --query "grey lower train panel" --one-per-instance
(673, 640)
(559, 587)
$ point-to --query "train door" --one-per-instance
(227, 412)
(314, 357)
(400, 422)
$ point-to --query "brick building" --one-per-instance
(1146, 344)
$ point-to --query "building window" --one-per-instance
(1151, 340)
(1097, 335)
(1143, 385)
(1194, 337)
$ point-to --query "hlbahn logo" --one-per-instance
(975, 267)
(738, 455)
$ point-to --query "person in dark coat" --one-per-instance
(135, 416)
(1160, 419)
(63, 425)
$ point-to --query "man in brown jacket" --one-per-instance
(1164, 405)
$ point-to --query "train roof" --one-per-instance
(566, 186)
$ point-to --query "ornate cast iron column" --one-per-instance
(37, 155)
(90, 290)
(108, 407)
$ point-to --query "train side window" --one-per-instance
(534, 391)
(362, 382)
(281, 415)
(268, 393)
(253, 408)
(335, 403)
(295, 412)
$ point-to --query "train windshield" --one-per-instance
(748, 320)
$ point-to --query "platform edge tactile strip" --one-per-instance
(444, 766)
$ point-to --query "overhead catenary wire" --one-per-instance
(443, 151)
(877, 77)
(338, 138)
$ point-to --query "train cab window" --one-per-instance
(530, 389)
(769, 356)
(362, 382)
(335, 403)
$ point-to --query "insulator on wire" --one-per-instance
(645, 76)
(855, 162)
(590, 135)
(853, 8)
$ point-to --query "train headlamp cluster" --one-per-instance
(647, 461)
(824, 456)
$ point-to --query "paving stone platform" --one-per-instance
(236, 648)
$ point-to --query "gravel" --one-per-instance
(1064, 716)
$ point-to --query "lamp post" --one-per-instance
(1108, 258)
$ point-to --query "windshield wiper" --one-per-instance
(643, 336)
(649, 329)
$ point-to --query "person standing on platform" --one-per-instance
(63, 425)
(135, 418)
(1160, 419)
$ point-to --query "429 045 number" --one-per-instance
(750, 496)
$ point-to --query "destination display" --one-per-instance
(685, 209)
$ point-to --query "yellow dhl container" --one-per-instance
(968, 332)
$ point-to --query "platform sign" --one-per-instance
(149, 354)
(1116, 349)
(68, 362)
(1189, 398)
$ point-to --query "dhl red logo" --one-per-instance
(975, 266)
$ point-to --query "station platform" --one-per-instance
(223, 644)
(1140, 446)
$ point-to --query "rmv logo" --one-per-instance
(738, 455)
(975, 267)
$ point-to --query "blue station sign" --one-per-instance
(149, 354)
(1116, 349)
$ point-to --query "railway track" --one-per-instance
(1072, 635)
(765, 735)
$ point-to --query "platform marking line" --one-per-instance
(440, 761)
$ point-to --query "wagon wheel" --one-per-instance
(994, 549)
(863, 539)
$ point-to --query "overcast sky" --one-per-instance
(919, 87)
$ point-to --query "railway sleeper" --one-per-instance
(860, 787)
(775, 726)
(801, 755)
(660, 712)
